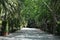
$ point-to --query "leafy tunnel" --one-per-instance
(42, 14)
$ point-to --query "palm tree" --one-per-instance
(10, 12)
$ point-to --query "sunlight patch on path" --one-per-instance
(29, 29)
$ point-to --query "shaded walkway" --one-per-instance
(30, 34)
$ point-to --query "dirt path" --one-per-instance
(30, 34)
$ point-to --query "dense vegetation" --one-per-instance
(43, 14)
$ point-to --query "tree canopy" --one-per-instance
(43, 14)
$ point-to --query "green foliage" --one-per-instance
(9, 11)
(44, 13)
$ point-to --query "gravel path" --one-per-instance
(30, 34)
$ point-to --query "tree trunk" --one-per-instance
(53, 12)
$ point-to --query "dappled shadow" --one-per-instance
(33, 34)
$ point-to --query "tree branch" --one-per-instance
(47, 6)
